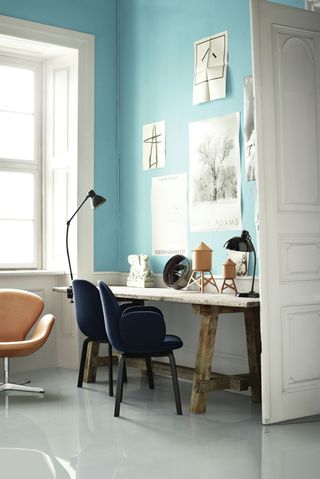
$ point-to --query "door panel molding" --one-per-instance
(301, 352)
(297, 112)
(299, 257)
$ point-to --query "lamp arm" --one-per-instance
(67, 247)
(67, 234)
(74, 214)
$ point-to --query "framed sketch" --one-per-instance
(154, 145)
(241, 259)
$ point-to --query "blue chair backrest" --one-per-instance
(89, 314)
(112, 315)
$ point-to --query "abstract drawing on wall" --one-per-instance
(215, 189)
(241, 259)
(210, 68)
(154, 145)
(169, 215)
(249, 129)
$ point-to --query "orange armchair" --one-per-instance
(19, 311)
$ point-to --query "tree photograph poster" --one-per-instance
(215, 187)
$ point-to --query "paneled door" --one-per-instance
(286, 58)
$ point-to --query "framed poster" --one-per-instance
(215, 187)
(169, 215)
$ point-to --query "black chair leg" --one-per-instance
(119, 386)
(110, 368)
(83, 361)
(125, 377)
(149, 372)
(175, 383)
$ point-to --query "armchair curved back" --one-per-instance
(112, 314)
(89, 314)
(19, 311)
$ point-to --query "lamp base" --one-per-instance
(70, 293)
(250, 294)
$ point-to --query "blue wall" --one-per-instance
(155, 83)
(156, 75)
(98, 17)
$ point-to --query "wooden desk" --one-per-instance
(209, 306)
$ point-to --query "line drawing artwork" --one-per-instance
(154, 145)
(215, 202)
(154, 140)
(210, 68)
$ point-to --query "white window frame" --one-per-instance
(84, 43)
(313, 5)
(24, 166)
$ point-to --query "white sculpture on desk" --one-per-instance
(140, 274)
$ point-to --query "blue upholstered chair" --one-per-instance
(138, 331)
(89, 316)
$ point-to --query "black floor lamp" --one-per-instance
(244, 243)
(96, 201)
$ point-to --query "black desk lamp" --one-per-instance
(96, 201)
(244, 243)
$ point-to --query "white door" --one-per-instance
(286, 57)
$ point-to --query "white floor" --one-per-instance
(71, 433)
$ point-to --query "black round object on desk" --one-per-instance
(177, 272)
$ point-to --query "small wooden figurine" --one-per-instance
(229, 274)
(201, 265)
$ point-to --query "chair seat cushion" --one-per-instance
(172, 342)
(169, 343)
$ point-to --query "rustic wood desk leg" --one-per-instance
(202, 371)
(90, 369)
(252, 323)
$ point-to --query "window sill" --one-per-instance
(31, 272)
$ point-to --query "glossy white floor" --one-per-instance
(71, 433)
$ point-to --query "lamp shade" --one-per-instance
(243, 243)
(240, 243)
(96, 200)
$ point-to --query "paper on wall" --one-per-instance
(154, 145)
(169, 215)
(210, 68)
(249, 129)
(215, 186)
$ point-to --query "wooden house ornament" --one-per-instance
(201, 267)
(229, 274)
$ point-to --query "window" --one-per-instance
(55, 143)
(20, 163)
(38, 155)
